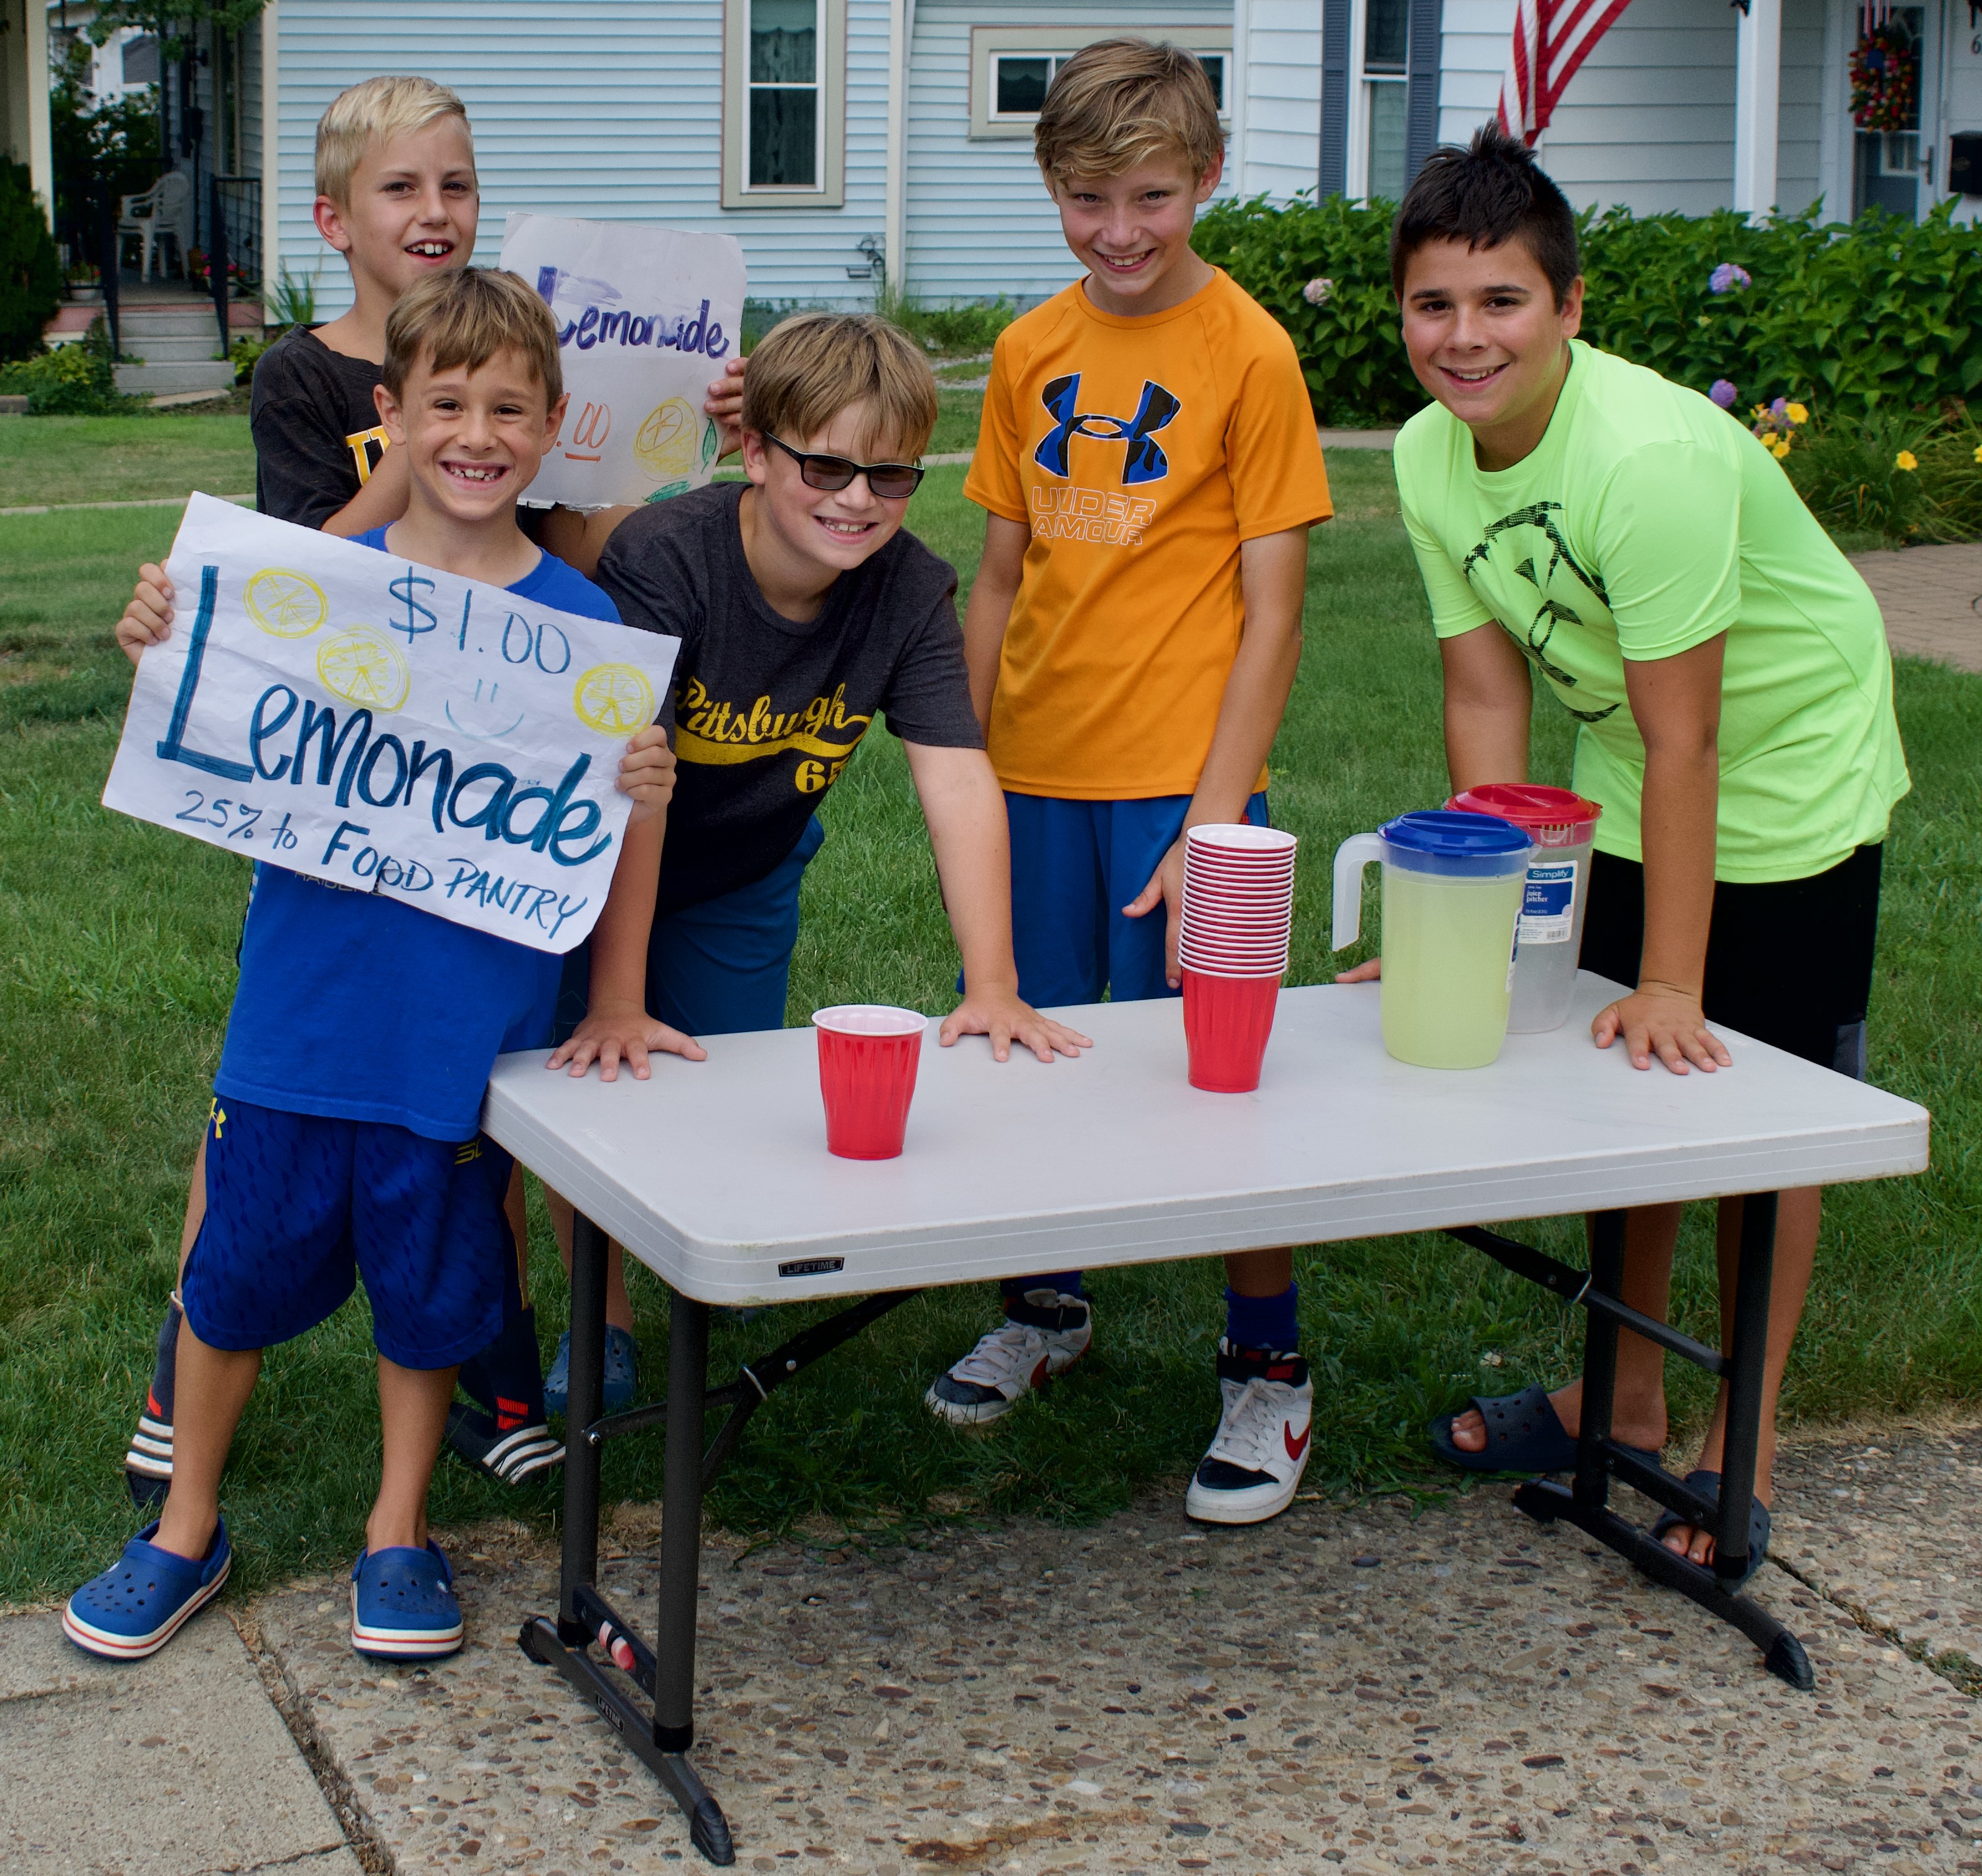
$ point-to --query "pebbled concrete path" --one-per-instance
(1367, 1689)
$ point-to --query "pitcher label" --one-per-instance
(1548, 910)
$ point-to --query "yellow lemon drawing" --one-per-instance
(365, 667)
(667, 442)
(615, 699)
(286, 604)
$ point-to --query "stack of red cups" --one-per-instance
(1238, 911)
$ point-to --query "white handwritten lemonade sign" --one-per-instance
(646, 317)
(335, 710)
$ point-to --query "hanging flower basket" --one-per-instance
(1885, 80)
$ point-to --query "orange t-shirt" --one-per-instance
(1140, 452)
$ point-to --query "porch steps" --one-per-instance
(175, 344)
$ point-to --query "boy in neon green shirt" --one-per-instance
(1581, 519)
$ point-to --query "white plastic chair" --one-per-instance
(163, 210)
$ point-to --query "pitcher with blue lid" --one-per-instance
(1452, 888)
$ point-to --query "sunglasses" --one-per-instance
(893, 481)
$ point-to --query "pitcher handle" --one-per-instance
(1357, 852)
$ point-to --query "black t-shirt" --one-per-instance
(317, 434)
(766, 712)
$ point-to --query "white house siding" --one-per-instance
(1799, 109)
(979, 221)
(247, 79)
(1473, 60)
(1283, 64)
(608, 110)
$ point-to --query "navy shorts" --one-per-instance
(1789, 962)
(1075, 865)
(299, 1207)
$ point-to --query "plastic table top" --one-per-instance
(715, 1174)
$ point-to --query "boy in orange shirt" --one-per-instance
(1149, 469)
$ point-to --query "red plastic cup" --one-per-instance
(1227, 1022)
(868, 1055)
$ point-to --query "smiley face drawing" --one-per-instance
(365, 667)
(615, 699)
(286, 604)
(668, 444)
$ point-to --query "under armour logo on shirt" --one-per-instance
(1144, 461)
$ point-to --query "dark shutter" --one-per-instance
(1421, 91)
(1334, 175)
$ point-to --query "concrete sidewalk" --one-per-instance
(1929, 596)
(1352, 1688)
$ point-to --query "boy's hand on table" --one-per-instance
(1006, 1018)
(148, 618)
(725, 403)
(1165, 888)
(1662, 1019)
(647, 772)
(613, 1033)
(1367, 972)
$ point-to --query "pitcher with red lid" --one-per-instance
(1561, 823)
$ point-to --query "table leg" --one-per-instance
(578, 1566)
(1747, 1359)
(681, 1527)
(1599, 1363)
(1598, 1457)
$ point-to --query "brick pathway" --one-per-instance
(1932, 599)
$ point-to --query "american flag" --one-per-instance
(1551, 39)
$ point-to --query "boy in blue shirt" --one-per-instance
(327, 1160)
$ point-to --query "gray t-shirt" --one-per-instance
(317, 433)
(766, 713)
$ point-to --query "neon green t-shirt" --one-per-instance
(1648, 520)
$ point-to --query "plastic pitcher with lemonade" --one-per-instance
(1453, 889)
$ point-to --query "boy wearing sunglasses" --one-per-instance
(804, 610)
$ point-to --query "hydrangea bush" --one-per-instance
(1876, 315)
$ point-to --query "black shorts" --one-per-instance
(1789, 962)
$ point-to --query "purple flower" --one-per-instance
(1722, 393)
(1728, 275)
(1318, 292)
(1779, 410)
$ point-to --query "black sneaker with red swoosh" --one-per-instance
(1254, 1465)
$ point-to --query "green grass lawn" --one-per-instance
(49, 459)
(116, 967)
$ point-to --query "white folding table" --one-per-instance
(715, 1176)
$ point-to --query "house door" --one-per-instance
(1886, 161)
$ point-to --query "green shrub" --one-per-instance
(1875, 315)
(950, 331)
(75, 380)
(30, 268)
(245, 353)
(1351, 351)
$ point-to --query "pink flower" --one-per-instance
(1317, 292)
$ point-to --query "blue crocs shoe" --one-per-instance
(622, 1373)
(403, 1606)
(145, 1597)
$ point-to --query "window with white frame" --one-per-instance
(1386, 25)
(1379, 86)
(784, 103)
(1011, 66)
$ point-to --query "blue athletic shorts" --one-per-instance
(718, 968)
(299, 1207)
(1075, 865)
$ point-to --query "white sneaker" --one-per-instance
(1255, 1465)
(1044, 1334)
